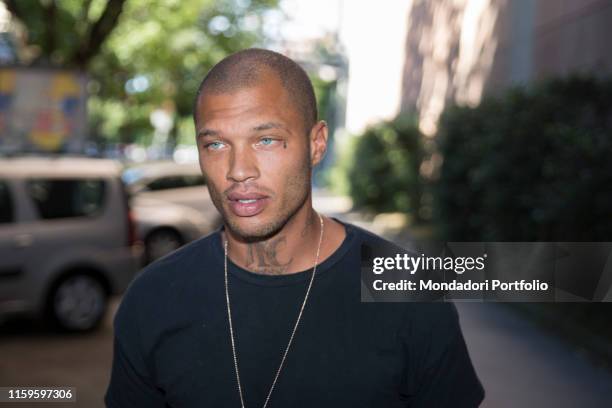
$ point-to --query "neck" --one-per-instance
(291, 250)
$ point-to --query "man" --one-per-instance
(266, 311)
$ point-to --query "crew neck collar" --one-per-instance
(288, 279)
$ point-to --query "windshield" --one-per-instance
(132, 175)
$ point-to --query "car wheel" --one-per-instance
(160, 243)
(78, 303)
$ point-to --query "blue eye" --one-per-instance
(214, 145)
(267, 141)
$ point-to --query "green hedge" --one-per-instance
(531, 165)
(383, 174)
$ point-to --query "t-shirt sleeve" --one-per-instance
(439, 372)
(131, 383)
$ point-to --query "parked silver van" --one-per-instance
(67, 239)
(171, 205)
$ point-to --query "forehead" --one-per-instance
(265, 100)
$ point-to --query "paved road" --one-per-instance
(522, 366)
(31, 355)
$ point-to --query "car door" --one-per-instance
(69, 215)
(187, 190)
(14, 244)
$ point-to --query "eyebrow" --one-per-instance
(270, 125)
(207, 132)
(264, 126)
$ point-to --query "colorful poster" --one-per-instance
(42, 110)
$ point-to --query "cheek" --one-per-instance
(289, 175)
(282, 165)
(212, 168)
(216, 195)
(214, 179)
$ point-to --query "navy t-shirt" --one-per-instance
(172, 345)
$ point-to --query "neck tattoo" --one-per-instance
(297, 322)
(262, 257)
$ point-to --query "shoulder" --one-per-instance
(431, 330)
(161, 281)
(372, 245)
(440, 371)
(418, 316)
(178, 265)
(438, 319)
(364, 236)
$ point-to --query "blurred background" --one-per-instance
(454, 120)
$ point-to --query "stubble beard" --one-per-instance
(297, 189)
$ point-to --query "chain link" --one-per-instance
(231, 327)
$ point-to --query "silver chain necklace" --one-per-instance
(231, 327)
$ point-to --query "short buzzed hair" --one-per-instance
(245, 68)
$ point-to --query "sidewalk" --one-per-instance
(518, 363)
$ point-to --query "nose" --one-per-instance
(242, 166)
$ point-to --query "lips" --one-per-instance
(247, 204)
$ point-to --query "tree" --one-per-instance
(48, 22)
(139, 54)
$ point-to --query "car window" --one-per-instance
(6, 204)
(132, 175)
(66, 198)
(195, 180)
(165, 183)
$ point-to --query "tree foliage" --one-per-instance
(164, 47)
(383, 167)
(530, 165)
(67, 33)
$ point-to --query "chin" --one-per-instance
(254, 230)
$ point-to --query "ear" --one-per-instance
(318, 142)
